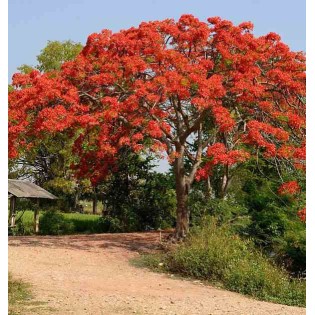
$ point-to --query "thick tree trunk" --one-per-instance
(182, 190)
(182, 223)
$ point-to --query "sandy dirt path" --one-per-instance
(91, 275)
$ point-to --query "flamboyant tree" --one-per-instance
(207, 94)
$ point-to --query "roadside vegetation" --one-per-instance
(58, 223)
(215, 254)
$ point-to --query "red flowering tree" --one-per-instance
(205, 93)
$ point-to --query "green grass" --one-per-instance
(216, 255)
(88, 206)
(72, 223)
(83, 223)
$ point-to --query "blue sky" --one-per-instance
(33, 22)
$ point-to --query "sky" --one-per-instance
(33, 22)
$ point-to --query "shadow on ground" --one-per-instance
(139, 242)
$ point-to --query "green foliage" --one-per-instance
(137, 197)
(225, 210)
(216, 254)
(24, 223)
(109, 224)
(25, 69)
(56, 53)
(83, 223)
(275, 226)
(254, 210)
(54, 223)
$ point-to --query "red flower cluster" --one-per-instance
(302, 214)
(289, 188)
(219, 155)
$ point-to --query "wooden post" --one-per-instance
(12, 211)
(36, 217)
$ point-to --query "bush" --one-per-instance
(54, 223)
(109, 224)
(216, 254)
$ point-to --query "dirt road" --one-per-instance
(91, 275)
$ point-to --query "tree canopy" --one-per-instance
(207, 93)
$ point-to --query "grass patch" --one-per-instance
(83, 223)
(21, 300)
(154, 262)
(216, 255)
(19, 293)
(57, 223)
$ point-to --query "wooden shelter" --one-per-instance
(25, 189)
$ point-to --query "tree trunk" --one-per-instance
(182, 190)
(226, 180)
(182, 222)
(75, 201)
(94, 203)
(209, 190)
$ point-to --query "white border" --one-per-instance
(4, 158)
(310, 119)
(310, 23)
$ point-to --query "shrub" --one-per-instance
(54, 223)
(109, 224)
(216, 254)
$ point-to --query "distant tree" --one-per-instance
(26, 69)
(56, 53)
(48, 161)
